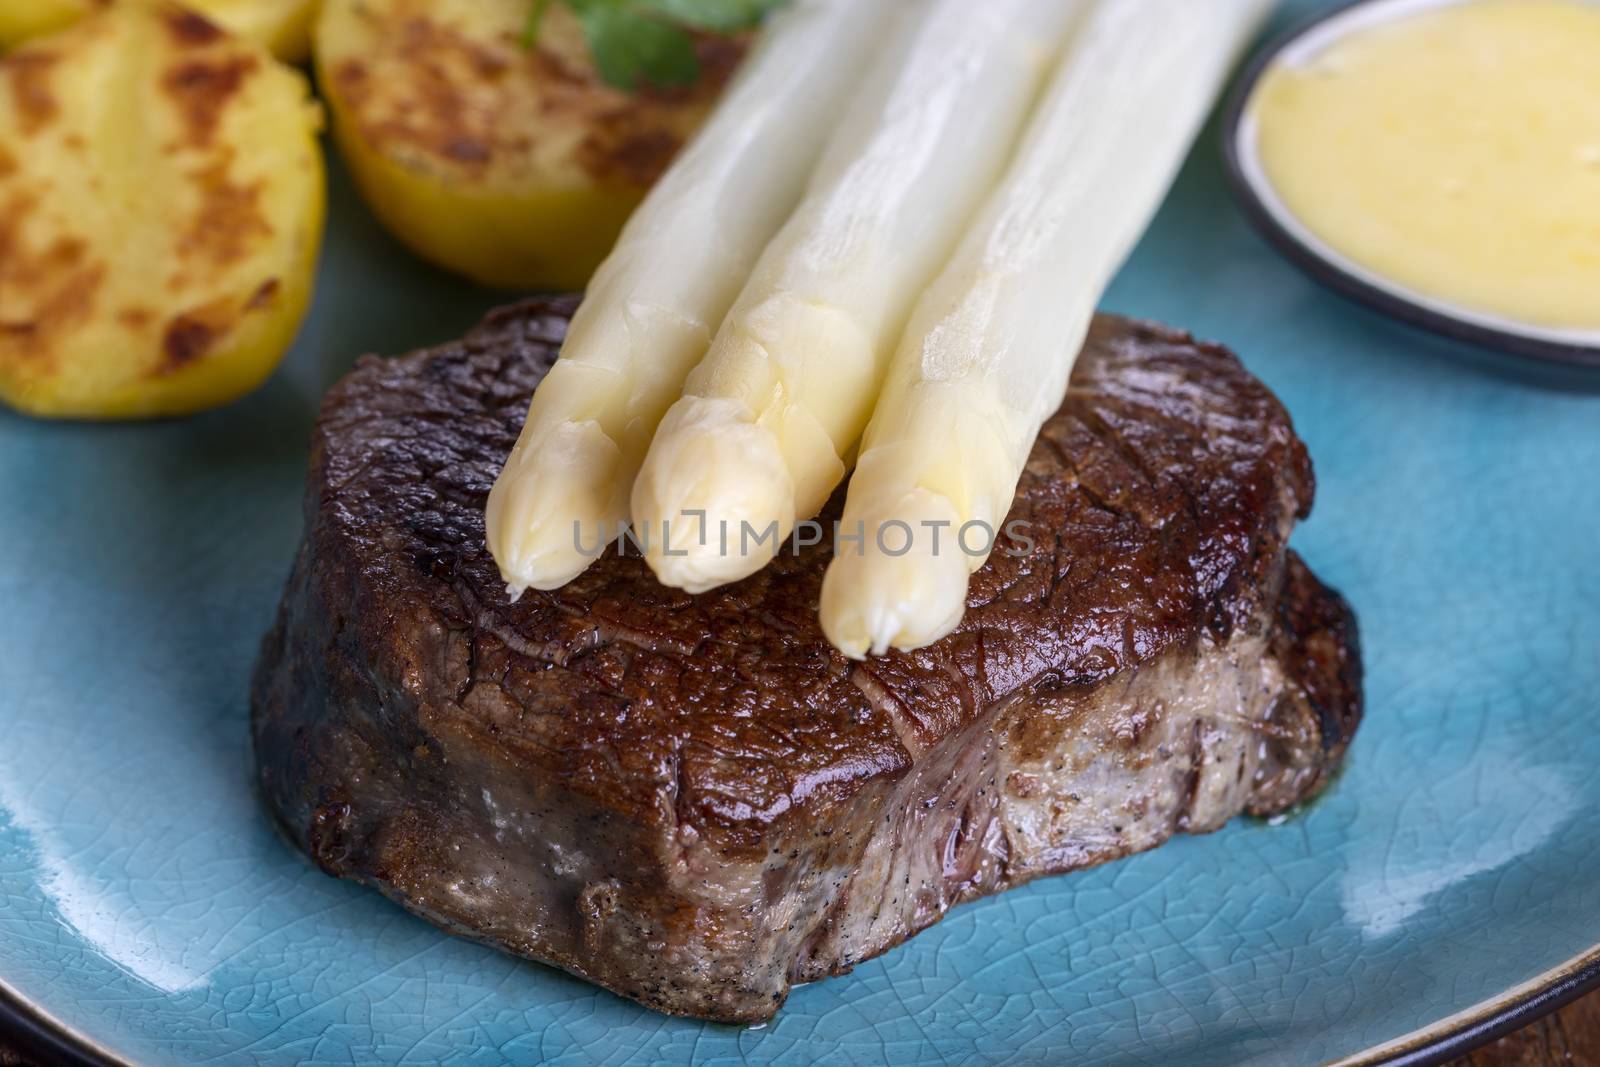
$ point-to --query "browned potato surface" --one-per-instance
(515, 166)
(161, 206)
(282, 25)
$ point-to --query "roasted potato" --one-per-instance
(161, 207)
(511, 164)
(22, 19)
(282, 25)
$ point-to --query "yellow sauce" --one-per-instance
(1455, 151)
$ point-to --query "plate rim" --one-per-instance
(53, 1042)
(36, 1033)
(1325, 267)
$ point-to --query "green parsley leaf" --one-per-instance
(638, 43)
(718, 16)
(633, 50)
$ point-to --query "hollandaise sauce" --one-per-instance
(1452, 149)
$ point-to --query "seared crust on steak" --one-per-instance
(694, 800)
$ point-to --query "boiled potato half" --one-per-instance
(511, 164)
(161, 207)
(22, 19)
(282, 25)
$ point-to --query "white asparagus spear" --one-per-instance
(760, 436)
(989, 349)
(654, 305)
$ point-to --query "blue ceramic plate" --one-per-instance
(149, 911)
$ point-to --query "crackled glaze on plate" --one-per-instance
(147, 904)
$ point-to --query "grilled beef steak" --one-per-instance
(693, 800)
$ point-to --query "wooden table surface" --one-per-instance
(1569, 1038)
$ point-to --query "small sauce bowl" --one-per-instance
(1284, 229)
